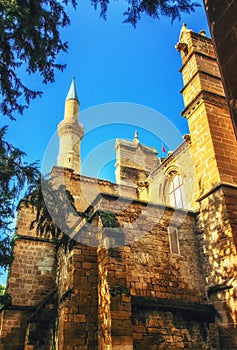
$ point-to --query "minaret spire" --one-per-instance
(72, 103)
(70, 132)
(72, 92)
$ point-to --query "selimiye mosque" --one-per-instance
(151, 260)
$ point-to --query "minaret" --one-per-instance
(70, 132)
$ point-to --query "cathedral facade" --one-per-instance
(152, 260)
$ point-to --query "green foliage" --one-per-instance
(2, 289)
(15, 176)
(118, 290)
(152, 8)
(29, 32)
(54, 204)
(5, 299)
(108, 219)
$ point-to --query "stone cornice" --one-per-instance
(202, 310)
(33, 238)
(216, 188)
(78, 177)
(200, 72)
(203, 96)
(194, 52)
(110, 197)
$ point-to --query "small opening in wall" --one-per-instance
(174, 240)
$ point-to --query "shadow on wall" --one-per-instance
(217, 236)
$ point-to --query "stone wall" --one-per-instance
(85, 189)
(135, 262)
(114, 301)
(217, 235)
(78, 290)
(163, 324)
(149, 260)
(178, 162)
(13, 328)
(31, 280)
(121, 253)
(32, 276)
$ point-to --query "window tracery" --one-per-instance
(175, 191)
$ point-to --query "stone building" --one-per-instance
(152, 259)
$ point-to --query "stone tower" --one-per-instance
(214, 152)
(214, 148)
(134, 161)
(70, 133)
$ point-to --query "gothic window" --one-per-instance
(176, 192)
(174, 240)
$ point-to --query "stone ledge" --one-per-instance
(33, 238)
(215, 188)
(19, 307)
(192, 310)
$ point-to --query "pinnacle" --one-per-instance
(136, 137)
(72, 93)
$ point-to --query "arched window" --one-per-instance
(176, 192)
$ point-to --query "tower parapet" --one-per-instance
(70, 132)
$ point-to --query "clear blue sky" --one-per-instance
(112, 62)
